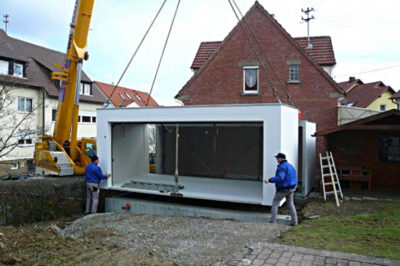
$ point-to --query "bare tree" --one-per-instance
(15, 126)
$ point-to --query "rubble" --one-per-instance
(182, 240)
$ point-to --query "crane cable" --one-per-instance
(266, 57)
(274, 90)
(137, 49)
(262, 50)
(162, 53)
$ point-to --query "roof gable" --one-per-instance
(258, 8)
(364, 94)
(124, 97)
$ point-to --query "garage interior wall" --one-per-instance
(218, 150)
(130, 151)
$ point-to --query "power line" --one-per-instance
(371, 70)
(274, 90)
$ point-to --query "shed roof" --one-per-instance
(389, 120)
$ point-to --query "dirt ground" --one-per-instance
(105, 239)
(111, 239)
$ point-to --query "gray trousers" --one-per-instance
(92, 198)
(279, 195)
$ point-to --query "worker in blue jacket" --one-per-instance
(285, 180)
(93, 177)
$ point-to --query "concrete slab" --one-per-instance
(140, 206)
(229, 190)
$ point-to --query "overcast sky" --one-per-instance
(365, 35)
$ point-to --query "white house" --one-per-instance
(25, 71)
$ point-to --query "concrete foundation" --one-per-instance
(140, 206)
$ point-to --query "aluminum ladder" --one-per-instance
(327, 163)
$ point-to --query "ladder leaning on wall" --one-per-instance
(328, 169)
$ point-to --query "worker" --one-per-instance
(285, 180)
(93, 177)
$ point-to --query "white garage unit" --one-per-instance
(223, 152)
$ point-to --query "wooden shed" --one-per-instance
(370, 147)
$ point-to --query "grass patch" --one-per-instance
(374, 233)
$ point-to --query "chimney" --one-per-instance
(352, 79)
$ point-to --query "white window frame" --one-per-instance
(85, 89)
(298, 73)
(380, 107)
(244, 80)
(25, 100)
(127, 95)
(122, 96)
(22, 70)
(7, 68)
(14, 166)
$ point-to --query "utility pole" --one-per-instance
(5, 21)
(307, 19)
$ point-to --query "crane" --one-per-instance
(62, 153)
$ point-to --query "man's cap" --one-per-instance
(280, 155)
(94, 158)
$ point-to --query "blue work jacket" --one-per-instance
(93, 173)
(285, 176)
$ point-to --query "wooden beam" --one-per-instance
(373, 127)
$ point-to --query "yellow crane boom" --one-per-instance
(62, 153)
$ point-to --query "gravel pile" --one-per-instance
(182, 240)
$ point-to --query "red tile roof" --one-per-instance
(122, 97)
(348, 85)
(205, 50)
(364, 94)
(322, 51)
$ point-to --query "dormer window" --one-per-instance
(18, 70)
(4, 67)
(127, 95)
(122, 96)
(138, 97)
(85, 88)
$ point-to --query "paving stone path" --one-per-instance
(276, 254)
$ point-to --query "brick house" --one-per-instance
(229, 72)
